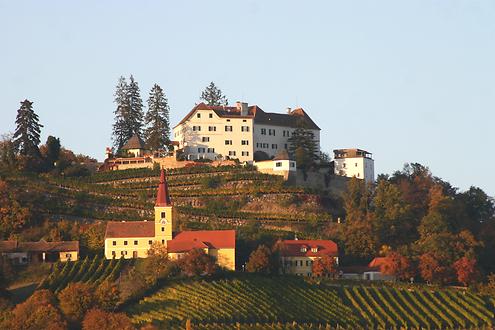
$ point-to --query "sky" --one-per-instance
(409, 81)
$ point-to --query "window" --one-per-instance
(163, 241)
(228, 120)
(113, 253)
(292, 164)
(343, 165)
(285, 146)
(265, 145)
(212, 128)
(123, 253)
(271, 132)
(244, 128)
(274, 146)
(163, 229)
(228, 142)
(162, 215)
(211, 150)
(314, 249)
(198, 115)
(279, 164)
(205, 139)
(285, 133)
(210, 115)
(201, 150)
(307, 263)
(196, 128)
(150, 242)
(228, 128)
(245, 153)
(355, 164)
(135, 242)
(263, 131)
(68, 255)
(244, 120)
(245, 142)
(125, 242)
(358, 175)
(134, 254)
(114, 243)
(231, 153)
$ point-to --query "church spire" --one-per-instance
(162, 197)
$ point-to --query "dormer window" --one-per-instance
(303, 249)
(314, 249)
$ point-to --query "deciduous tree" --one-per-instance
(75, 300)
(466, 270)
(259, 260)
(97, 319)
(324, 266)
(398, 266)
(196, 262)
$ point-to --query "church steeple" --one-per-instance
(162, 197)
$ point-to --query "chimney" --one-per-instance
(289, 110)
(242, 107)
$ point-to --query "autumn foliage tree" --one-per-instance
(324, 266)
(433, 270)
(13, 216)
(97, 319)
(196, 262)
(75, 300)
(38, 312)
(398, 266)
(259, 260)
(466, 270)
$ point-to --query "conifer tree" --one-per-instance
(129, 111)
(157, 132)
(27, 133)
(302, 146)
(121, 132)
(135, 119)
(212, 95)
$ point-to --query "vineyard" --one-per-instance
(91, 271)
(292, 303)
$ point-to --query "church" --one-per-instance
(133, 239)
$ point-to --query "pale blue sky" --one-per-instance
(409, 81)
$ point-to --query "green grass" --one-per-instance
(257, 302)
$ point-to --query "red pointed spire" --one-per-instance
(162, 197)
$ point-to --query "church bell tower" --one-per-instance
(163, 212)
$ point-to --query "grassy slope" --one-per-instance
(255, 299)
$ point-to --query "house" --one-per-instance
(135, 146)
(21, 253)
(281, 165)
(133, 239)
(238, 132)
(354, 163)
(297, 256)
(374, 271)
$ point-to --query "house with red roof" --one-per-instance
(297, 256)
(133, 239)
(374, 271)
(239, 132)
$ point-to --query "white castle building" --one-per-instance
(239, 131)
(354, 163)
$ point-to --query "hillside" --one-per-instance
(215, 304)
(205, 197)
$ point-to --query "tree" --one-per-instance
(75, 300)
(324, 266)
(7, 151)
(129, 112)
(356, 200)
(433, 270)
(27, 133)
(212, 95)
(93, 238)
(13, 216)
(97, 319)
(466, 270)
(157, 121)
(196, 262)
(259, 260)
(38, 312)
(107, 296)
(398, 266)
(302, 146)
(52, 151)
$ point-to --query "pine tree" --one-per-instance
(135, 119)
(212, 95)
(121, 133)
(302, 146)
(157, 132)
(27, 133)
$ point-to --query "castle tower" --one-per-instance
(163, 212)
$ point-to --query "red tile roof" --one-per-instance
(130, 229)
(292, 248)
(215, 239)
(292, 119)
(162, 197)
(40, 246)
(377, 263)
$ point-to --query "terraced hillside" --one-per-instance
(205, 196)
(287, 302)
